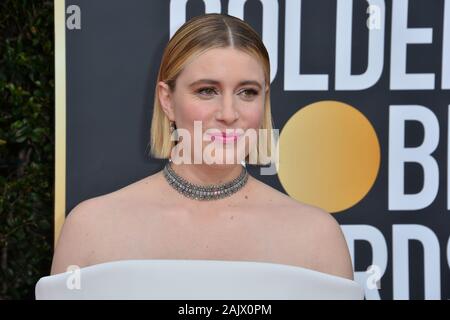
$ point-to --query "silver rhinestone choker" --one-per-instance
(209, 192)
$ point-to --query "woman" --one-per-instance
(214, 70)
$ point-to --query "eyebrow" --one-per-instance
(215, 82)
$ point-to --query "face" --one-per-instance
(224, 88)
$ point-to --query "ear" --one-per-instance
(165, 99)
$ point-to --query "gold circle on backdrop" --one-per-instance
(329, 155)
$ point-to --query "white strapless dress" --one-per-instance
(159, 279)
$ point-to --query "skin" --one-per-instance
(149, 220)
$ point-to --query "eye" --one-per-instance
(207, 90)
(249, 93)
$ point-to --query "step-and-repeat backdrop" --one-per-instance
(360, 92)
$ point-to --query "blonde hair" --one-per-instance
(193, 38)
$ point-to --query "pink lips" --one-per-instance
(223, 137)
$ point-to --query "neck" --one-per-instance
(204, 174)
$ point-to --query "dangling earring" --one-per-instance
(172, 128)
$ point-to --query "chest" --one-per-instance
(230, 234)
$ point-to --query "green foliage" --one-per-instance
(26, 145)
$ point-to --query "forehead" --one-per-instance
(223, 64)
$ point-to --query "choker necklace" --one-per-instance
(209, 192)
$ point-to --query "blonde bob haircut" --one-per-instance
(193, 38)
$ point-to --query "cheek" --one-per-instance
(190, 111)
(253, 116)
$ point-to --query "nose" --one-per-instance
(227, 112)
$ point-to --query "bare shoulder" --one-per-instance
(90, 228)
(314, 236)
(322, 241)
(77, 234)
